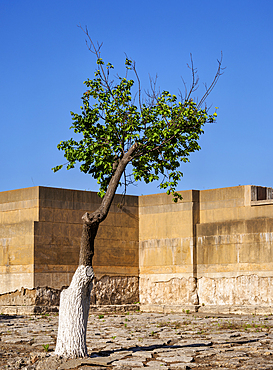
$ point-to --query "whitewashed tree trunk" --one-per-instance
(73, 314)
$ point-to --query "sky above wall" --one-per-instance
(44, 61)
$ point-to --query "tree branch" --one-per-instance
(212, 85)
(100, 215)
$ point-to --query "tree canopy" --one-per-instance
(159, 129)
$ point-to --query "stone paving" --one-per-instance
(142, 340)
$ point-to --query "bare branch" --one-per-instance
(96, 50)
(195, 80)
(153, 95)
(138, 81)
(212, 85)
(91, 47)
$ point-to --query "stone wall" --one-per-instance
(58, 234)
(234, 248)
(212, 249)
(18, 211)
(168, 249)
(40, 237)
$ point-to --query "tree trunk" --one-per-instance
(73, 314)
(75, 300)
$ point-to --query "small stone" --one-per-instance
(34, 359)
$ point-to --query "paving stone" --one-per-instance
(101, 361)
(176, 359)
(128, 362)
(163, 350)
(171, 353)
(142, 354)
(92, 367)
(156, 364)
(180, 366)
(72, 364)
(50, 363)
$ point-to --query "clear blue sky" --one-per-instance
(44, 62)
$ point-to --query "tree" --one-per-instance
(119, 127)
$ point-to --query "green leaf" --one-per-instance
(57, 168)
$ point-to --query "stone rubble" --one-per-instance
(136, 340)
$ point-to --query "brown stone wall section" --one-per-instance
(167, 249)
(166, 232)
(233, 236)
(18, 211)
(213, 248)
(223, 204)
(58, 233)
(234, 249)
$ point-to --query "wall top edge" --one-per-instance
(190, 190)
(20, 189)
(33, 188)
(18, 195)
(54, 188)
